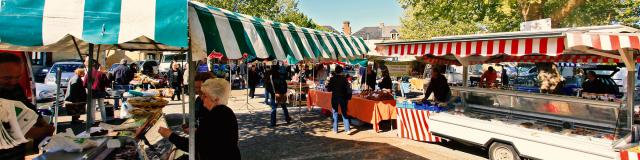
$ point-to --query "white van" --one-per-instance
(167, 57)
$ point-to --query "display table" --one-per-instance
(363, 109)
(412, 124)
(145, 138)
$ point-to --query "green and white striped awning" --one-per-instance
(233, 34)
(46, 24)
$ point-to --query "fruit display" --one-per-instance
(376, 95)
(141, 78)
(147, 103)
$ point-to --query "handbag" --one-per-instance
(349, 90)
(76, 108)
(280, 98)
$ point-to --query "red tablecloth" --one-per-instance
(412, 124)
(363, 109)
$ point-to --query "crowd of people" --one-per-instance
(216, 123)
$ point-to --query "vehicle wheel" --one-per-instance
(501, 151)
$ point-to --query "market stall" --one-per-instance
(538, 125)
(178, 26)
(359, 107)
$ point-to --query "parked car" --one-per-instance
(40, 72)
(528, 81)
(67, 68)
(148, 67)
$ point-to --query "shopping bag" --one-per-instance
(281, 98)
(168, 92)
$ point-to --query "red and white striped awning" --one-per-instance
(434, 60)
(516, 47)
(562, 58)
(516, 44)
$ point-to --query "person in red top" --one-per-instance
(98, 88)
(489, 77)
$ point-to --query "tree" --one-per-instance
(424, 19)
(455, 17)
(285, 11)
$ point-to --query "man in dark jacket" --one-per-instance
(438, 86)
(279, 87)
(593, 84)
(123, 74)
(254, 79)
(338, 85)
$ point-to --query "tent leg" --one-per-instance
(629, 61)
(192, 107)
(184, 115)
(90, 106)
(57, 101)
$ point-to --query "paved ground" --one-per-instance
(310, 136)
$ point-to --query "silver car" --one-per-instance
(67, 68)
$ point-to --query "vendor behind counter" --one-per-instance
(438, 85)
(593, 84)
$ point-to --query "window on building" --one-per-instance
(395, 36)
(37, 58)
(151, 56)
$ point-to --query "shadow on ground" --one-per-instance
(299, 140)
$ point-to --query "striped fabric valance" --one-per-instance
(233, 34)
(46, 22)
(517, 47)
(561, 45)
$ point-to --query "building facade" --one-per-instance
(380, 32)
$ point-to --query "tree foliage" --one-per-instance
(424, 19)
(285, 11)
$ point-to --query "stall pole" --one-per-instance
(58, 101)
(465, 83)
(184, 116)
(90, 106)
(465, 76)
(192, 107)
(629, 61)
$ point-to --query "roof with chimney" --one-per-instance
(377, 32)
(331, 29)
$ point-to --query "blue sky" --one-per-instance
(361, 13)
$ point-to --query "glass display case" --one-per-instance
(568, 115)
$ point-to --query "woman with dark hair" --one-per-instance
(438, 85)
(175, 80)
(370, 78)
(338, 86)
(386, 80)
(134, 68)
